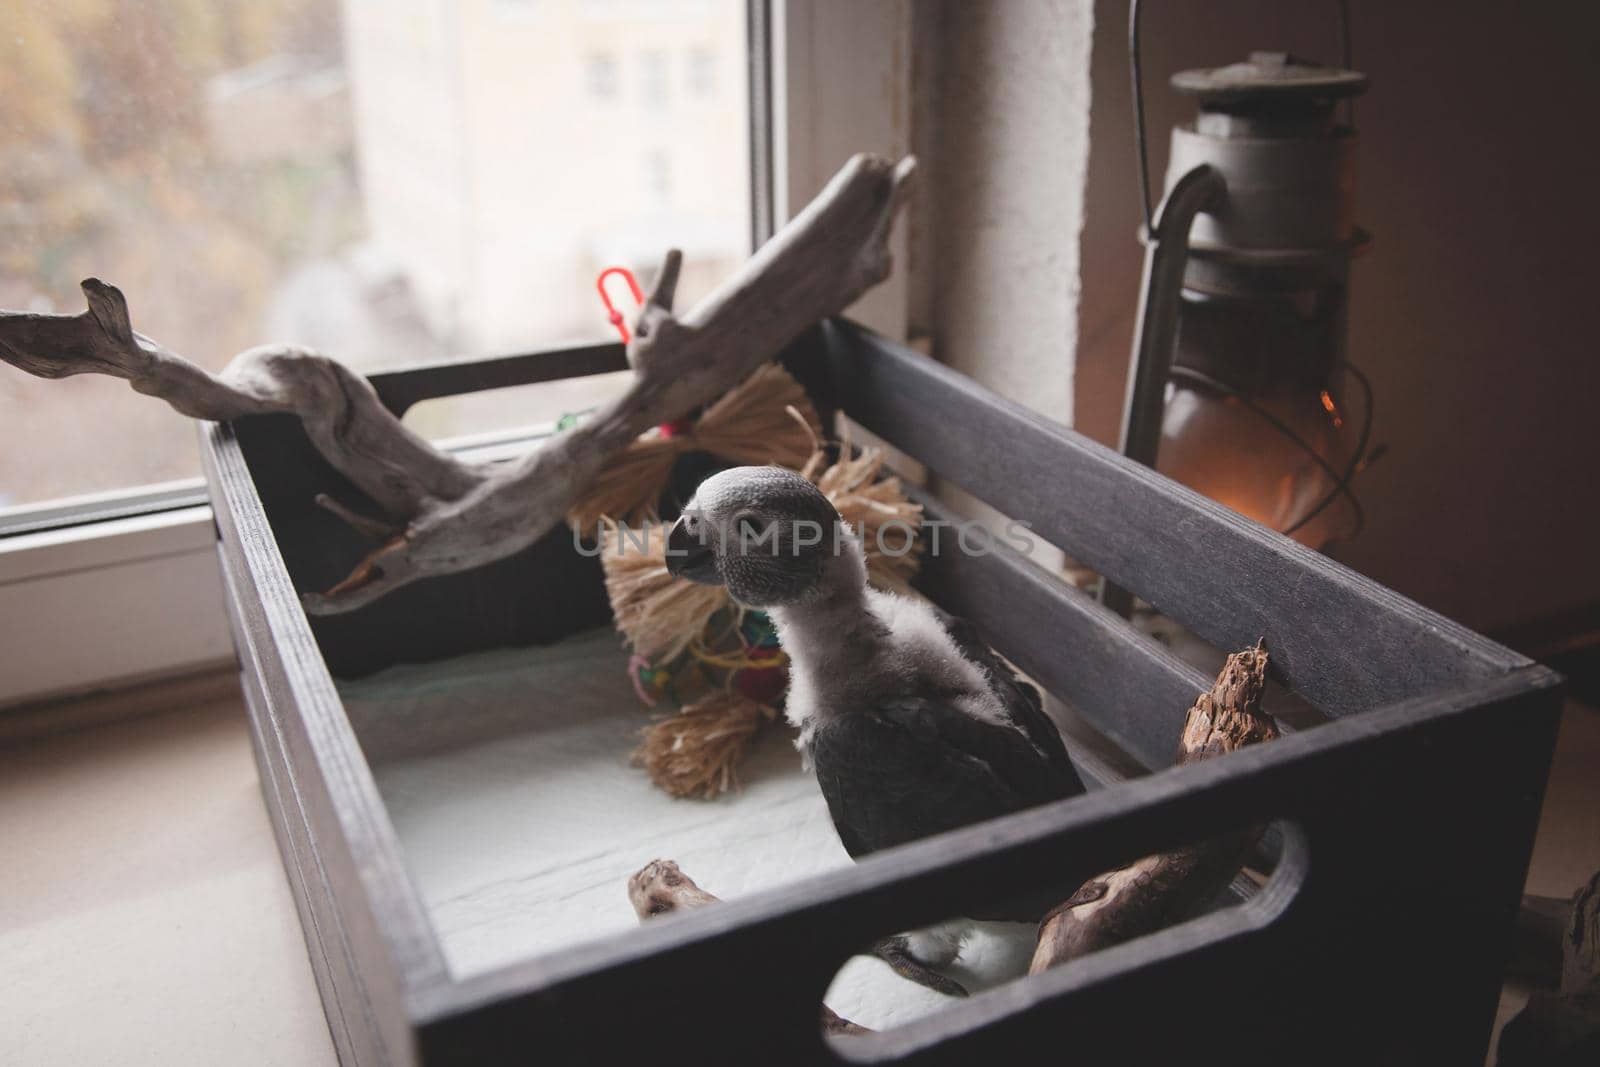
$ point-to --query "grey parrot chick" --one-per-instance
(913, 725)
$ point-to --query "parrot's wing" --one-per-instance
(1021, 700)
(921, 766)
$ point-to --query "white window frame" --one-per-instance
(122, 588)
(841, 76)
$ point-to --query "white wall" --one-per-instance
(1001, 123)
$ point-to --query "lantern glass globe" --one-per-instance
(1229, 448)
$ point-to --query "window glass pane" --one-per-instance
(389, 181)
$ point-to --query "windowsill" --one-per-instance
(114, 603)
(95, 508)
(104, 544)
(109, 603)
(151, 922)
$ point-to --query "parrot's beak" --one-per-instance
(690, 557)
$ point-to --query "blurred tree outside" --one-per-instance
(108, 110)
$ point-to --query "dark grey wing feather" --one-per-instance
(921, 766)
(1021, 700)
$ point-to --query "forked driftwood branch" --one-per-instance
(440, 514)
(660, 888)
(1159, 890)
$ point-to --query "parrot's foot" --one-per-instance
(897, 953)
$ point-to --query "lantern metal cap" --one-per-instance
(1272, 78)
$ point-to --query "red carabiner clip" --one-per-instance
(614, 316)
(668, 429)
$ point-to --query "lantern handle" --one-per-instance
(1347, 61)
(1155, 336)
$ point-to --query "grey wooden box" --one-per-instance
(1404, 821)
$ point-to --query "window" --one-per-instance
(386, 182)
(702, 72)
(602, 76)
(655, 92)
(98, 181)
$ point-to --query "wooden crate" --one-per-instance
(1404, 821)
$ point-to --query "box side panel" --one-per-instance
(1338, 639)
(319, 921)
(1125, 683)
(1383, 936)
(369, 937)
(542, 594)
(402, 387)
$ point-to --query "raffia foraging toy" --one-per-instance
(691, 643)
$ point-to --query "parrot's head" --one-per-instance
(765, 533)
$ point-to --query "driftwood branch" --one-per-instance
(1563, 1026)
(440, 514)
(660, 888)
(1580, 949)
(1158, 890)
(1537, 940)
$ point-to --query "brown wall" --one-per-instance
(1475, 313)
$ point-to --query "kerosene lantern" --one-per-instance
(1239, 359)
